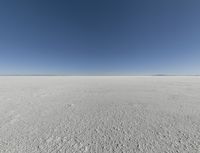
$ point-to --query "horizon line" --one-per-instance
(100, 75)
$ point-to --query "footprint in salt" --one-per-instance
(69, 105)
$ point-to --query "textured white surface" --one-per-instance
(99, 114)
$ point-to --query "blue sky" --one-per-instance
(100, 37)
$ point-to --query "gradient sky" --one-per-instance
(99, 37)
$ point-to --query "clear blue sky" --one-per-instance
(99, 37)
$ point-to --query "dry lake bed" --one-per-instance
(99, 114)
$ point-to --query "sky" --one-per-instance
(104, 37)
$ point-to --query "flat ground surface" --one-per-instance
(100, 114)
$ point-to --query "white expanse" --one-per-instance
(52, 114)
